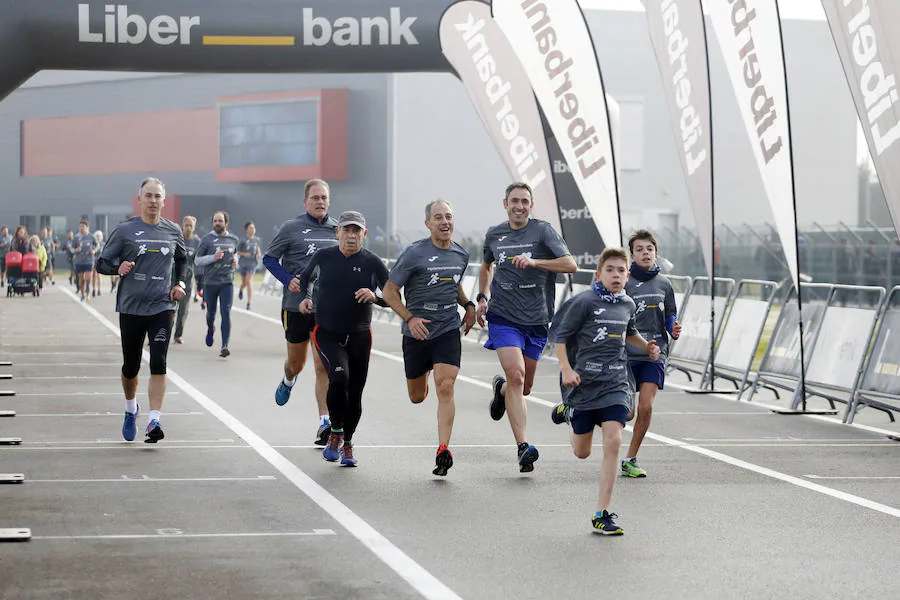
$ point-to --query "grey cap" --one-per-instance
(352, 217)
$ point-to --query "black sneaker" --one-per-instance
(225, 353)
(560, 414)
(498, 404)
(527, 456)
(443, 461)
(603, 523)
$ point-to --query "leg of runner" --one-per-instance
(297, 330)
(418, 388)
(211, 299)
(226, 297)
(184, 305)
(359, 346)
(132, 329)
(612, 440)
(646, 395)
(513, 363)
(444, 383)
(159, 332)
(334, 355)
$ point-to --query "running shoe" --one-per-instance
(332, 451)
(603, 523)
(527, 456)
(210, 333)
(82, 297)
(203, 305)
(225, 353)
(443, 461)
(322, 433)
(178, 341)
(240, 294)
(154, 432)
(248, 306)
(283, 394)
(630, 468)
(129, 427)
(498, 404)
(560, 414)
(347, 459)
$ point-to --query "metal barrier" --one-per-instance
(880, 385)
(742, 331)
(690, 352)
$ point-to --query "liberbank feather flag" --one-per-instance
(552, 41)
(678, 33)
(501, 93)
(749, 33)
(865, 33)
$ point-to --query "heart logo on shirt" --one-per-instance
(456, 278)
(164, 250)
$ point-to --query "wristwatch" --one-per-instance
(181, 285)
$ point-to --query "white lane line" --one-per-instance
(145, 479)
(105, 414)
(67, 377)
(424, 582)
(130, 447)
(55, 365)
(123, 442)
(170, 536)
(853, 478)
(711, 413)
(73, 352)
(69, 394)
(857, 500)
(790, 439)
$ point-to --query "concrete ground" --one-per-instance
(236, 501)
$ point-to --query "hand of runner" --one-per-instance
(417, 327)
(219, 254)
(480, 312)
(365, 295)
(125, 267)
(676, 330)
(468, 321)
(177, 293)
(306, 306)
(653, 350)
(294, 285)
(234, 261)
(522, 261)
(570, 378)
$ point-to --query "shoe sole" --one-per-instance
(323, 437)
(326, 459)
(641, 476)
(154, 436)
(348, 465)
(614, 532)
(526, 461)
(554, 416)
(498, 403)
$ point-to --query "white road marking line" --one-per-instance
(48, 364)
(853, 478)
(424, 582)
(131, 447)
(123, 442)
(169, 536)
(67, 377)
(145, 479)
(73, 352)
(104, 414)
(69, 394)
(788, 439)
(711, 413)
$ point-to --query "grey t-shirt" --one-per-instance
(219, 272)
(594, 332)
(250, 245)
(430, 277)
(5, 242)
(82, 245)
(190, 247)
(294, 245)
(655, 301)
(153, 248)
(522, 296)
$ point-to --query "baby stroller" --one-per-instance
(23, 274)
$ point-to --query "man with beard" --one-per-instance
(217, 255)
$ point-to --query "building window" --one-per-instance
(269, 134)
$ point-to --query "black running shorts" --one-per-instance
(419, 357)
(297, 326)
(135, 330)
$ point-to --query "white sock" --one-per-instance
(153, 416)
(131, 405)
(290, 382)
(323, 419)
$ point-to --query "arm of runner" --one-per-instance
(563, 264)
(569, 377)
(110, 258)
(379, 280)
(463, 300)
(273, 265)
(180, 263)
(485, 275)
(672, 324)
(393, 300)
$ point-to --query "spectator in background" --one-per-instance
(5, 242)
(874, 264)
(95, 290)
(70, 255)
(846, 262)
(34, 243)
(50, 244)
(20, 241)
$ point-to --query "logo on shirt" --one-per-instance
(434, 279)
(456, 278)
(641, 307)
(357, 269)
(311, 249)
(142, 249)
(501, 238)
(432, 259)
(164, 250)
(599, 311)
(639, 284)
(602, 334)
(141, 232)
(306, 231)
(502, 258)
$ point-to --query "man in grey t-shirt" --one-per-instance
(249, 256)
(217, 254)
(430, 272)
(521, 259)
(84, 247)
(191, 243)
(146, 252)
(589, 333)
(286, 258)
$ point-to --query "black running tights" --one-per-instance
(346, 358)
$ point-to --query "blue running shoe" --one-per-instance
(332, 451)
(347, 459)
(282, 395)
(240, 294)
(322, 433)
(209, 336)
(129, 427)
(527, 456)
(603, 523)
(154, 432)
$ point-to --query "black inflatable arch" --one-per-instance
(219, 36)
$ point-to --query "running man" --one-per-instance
(656, 319)
(217, 255)
(350, 280)
(528, 253)
(287, 256)
(84, 246)
(430, 271)
(191, 243)
(145, 252)
(50, 244)
(589, 333)
(249, 256)
(5, 245)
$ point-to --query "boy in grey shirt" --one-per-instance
(589, 333)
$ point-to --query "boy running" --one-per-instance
(589, 333)
(249, 256)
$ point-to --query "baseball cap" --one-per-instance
(352, 217)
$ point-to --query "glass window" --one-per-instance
(269, 134)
